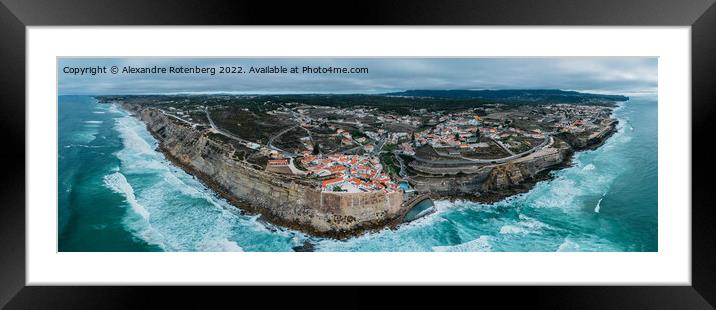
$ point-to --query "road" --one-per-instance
(345, 123)
(464, 160)
(402, 173)
(270, 145)
(211, 121)
(378, 146)
(503, 146)
(217, 130)
(179, 118)
(290, 155)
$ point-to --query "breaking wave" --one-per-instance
(588, 167)
(185, 215)
(525, 225)
(599, 204)
(481, 244)
(85, 136)
(223, 245)
(118, 183)
(568, 246)
(174, 210)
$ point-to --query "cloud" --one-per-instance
(618, 75)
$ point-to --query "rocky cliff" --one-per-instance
(288, 201)
(590, 141)
(494, 182)
(514, 175)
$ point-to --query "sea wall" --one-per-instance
(284, 200)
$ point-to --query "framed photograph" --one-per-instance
(559, 148)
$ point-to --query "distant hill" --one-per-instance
(520, 95)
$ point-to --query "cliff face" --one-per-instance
(593, 141)
(495, 181)
(460, 184)
(515, 174)
(284, 200)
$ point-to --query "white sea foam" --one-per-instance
(588, 243)
(407, 239)
(532, 223)
(93, 122)
(86, 136)
(113, 109)
(571, 186)
(588, 167)
(599, 203)
(593, 173)
(525, 225)
(568, 246)
(512, 229)
(559, 193)
(481, 244)
(415, 236)
(620, 106)
(133, 143)
(185, 215)
(222, 245)
(84, 146)
(118, 183)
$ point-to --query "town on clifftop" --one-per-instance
(340, 165)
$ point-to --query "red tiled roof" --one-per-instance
(335, 169)
(331, 181)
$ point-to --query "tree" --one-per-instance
(337, 189)
(457, 136)
(316, 149)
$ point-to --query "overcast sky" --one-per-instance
(629, 76)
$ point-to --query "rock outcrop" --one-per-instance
(592, 141)
(493, 182)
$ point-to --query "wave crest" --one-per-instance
(481, 244)
(118, 183)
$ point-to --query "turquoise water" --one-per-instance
(419, 210)
(404, 185)
(117, 193)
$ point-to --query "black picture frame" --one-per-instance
(16, 15)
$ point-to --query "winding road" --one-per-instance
(548, 140)
(270, 145)
(218, 130)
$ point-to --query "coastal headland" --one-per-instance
(339, 165)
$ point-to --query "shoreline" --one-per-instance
(248, 208)
(544, 175)
(393, 223)
(493, 197)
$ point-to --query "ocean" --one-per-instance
(118, 193)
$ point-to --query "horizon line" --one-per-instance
(347, 93)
